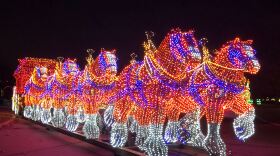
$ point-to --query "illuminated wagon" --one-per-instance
(23, 73)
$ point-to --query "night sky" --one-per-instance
(50, 29)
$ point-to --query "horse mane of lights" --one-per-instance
(179, 81)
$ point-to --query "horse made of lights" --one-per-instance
(34, 89)
(97, 80)
(62, 91)
(144, 89)
(219, 84)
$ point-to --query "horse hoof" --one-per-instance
(81, 117)
(58, 119)
(108, 116)
(46, 116)
(244, 126)
(27, 111)
(154, 145)
(90, 129)
(71, 123)
(118, 136)
(36, 114)
(170, 135)
(141, 136)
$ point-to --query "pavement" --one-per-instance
(25, 138)
(265, 141)
(22, 138)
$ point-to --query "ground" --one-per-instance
(265, 141)
(21, 137)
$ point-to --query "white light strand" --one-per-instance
(108, 116)
(213, 141)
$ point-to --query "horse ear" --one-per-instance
(249, 42)
(102, 50)
(175, 30)
(37, 70)
(236, 40)
(191, 32)
(114, 51)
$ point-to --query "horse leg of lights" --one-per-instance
(32, 117)
(36, 113)
(108, 116)
(141, 136)
(72, 120)
(133, 124)
(46, 115)
(80, 115)
(99, 121)
(91, 129)
(27, 111)
(58, 118)
(119, 134)
(190, 131)
(170, 134)
(141, 132)
(213, 141)
(71, 123)
(244, 124)
(154, 145)
(171, 130)
(119, 130)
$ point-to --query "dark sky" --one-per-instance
(50, 28)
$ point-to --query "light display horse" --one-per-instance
(219, 84)
(144, 89)
(62, 89)
(97, 80)
(34, 89)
